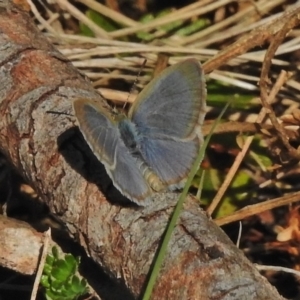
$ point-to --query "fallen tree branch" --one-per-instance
(202, 263)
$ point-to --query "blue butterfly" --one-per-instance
(154, 147)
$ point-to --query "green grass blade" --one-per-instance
(177, 210)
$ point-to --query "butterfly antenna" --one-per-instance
(135, 81)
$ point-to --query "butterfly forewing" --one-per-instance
(173, 104)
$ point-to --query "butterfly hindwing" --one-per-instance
(103, 136)
(171, 160)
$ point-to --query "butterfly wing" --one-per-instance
(171, 160)
(102, 134)
(168, 115)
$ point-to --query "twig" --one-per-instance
(81, 17)
(277, 269)
(264, 81)
(263, 5)
(258, 208)
(249, 41)
(40, 18)
(41, 265)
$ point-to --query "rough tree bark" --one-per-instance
(201, 263)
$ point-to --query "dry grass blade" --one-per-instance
(81, 17)
(258, 208)
(248, 41)
(38, 16)
(109, 13)
(39, 273)
(170, 18)
(259, 7)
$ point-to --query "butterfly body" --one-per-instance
(154, 147)
(133, 141)
(130, 135)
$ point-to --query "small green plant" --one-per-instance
(100, 20)
(176, 27)
(60, 279)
